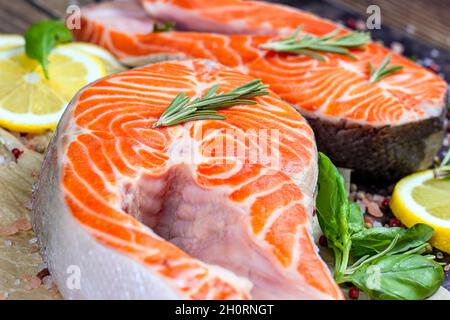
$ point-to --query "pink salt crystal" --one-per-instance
(378, 199)
(8, 230)
(48, 283)
(368, 221)
(373, 209)
(34, 248)
(35, 282)
(23, 224)
(4, 295)
(31, 282)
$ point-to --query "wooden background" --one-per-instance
(429, 18)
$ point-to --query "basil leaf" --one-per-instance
(375, 240)
(413, 237)
(355, 218)
(399, 277)
(333, 212)
(331, 201)
(42, 37)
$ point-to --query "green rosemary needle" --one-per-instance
(311, 46)
(443, 171)
(182, 109)
(383, 70)
(163, 26)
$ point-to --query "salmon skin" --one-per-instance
(382, 131)
(130, 209)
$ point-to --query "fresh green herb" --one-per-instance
(333, 212)
(311, 46)
(446, 160)
(383, 70)
(443, 171)
(163, 26)
(42, 37)
(182, 109)
(398, 277)
(355, 218)
(374, 240)
(389, 263)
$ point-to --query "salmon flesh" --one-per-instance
(142, 213)
(383, 130)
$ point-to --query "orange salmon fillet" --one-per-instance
(335, 89)
(151, 222)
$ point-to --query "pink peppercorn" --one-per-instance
(351, 23)
(353, 293)
(323, 241)
(385, 203)
(434, 67)
(394, 222)
(17, 153)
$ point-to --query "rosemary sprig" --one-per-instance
(443, 171)
(163, 26)
(182, 109)
(383, 70)
(310, 45)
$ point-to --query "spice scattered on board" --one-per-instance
(21, 266)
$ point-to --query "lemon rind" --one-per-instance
(33, 123)
(410, 213)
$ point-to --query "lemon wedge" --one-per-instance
(420, 198)
(8, 41)
(31, 103)
(111, 64)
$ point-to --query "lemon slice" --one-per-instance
(420, 198)
(111, 64)
(31, 103)
(8, 41)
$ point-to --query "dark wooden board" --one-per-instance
(427, 20)
(17, 15)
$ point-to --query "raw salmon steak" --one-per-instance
(381, 130)
(166, 213)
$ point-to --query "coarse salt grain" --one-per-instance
(378, 199)
(368, 221)
(361, 25)
(435, 53)
(7, 243)
(411, 29)
(8, 230)
(47, 282)
(23, 224)
(4, 295)
(397, 47)
(377, 224)
(31, 282)
(373, 209)
(34, 248)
